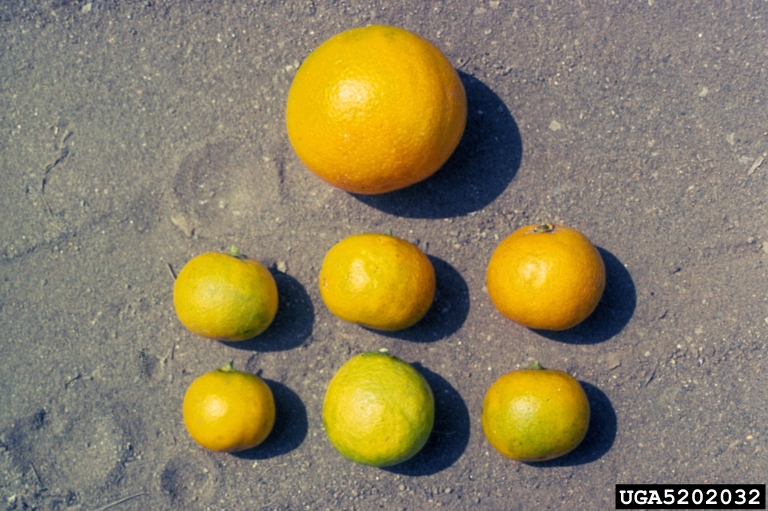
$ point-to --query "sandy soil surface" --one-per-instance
(135, 135)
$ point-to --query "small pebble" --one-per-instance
(612, 361)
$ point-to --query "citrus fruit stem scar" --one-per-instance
(228, 367)
(535, 365)
(234, 252)
(545, 227)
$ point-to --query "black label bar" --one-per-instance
(690, 496)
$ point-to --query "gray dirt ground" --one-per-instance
(642, 124)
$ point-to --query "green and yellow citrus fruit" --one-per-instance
(226, 297)
(535, 414)
(378, 410)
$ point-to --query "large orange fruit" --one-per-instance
(546, 276)
(226, 297)
(378, 410)
(375, 109)
(229, 410)
(378, 281)
(535, 414)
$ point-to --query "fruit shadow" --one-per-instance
(293, 322)
(600, 435)
(448, 312)
(613, 312)
(450, 433)
(290, 429)
(479, 170)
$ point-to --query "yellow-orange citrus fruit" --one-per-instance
(535, 414)
(226, 297)
(378, 410)
(375, 109)
(228, 410)
(546, 276)
(378, 281)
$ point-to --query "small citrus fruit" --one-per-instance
(375, 109)
(378, 281)
(378, 410)
(535, 414)
(546, 276)
(226, 297)
(228, 410)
